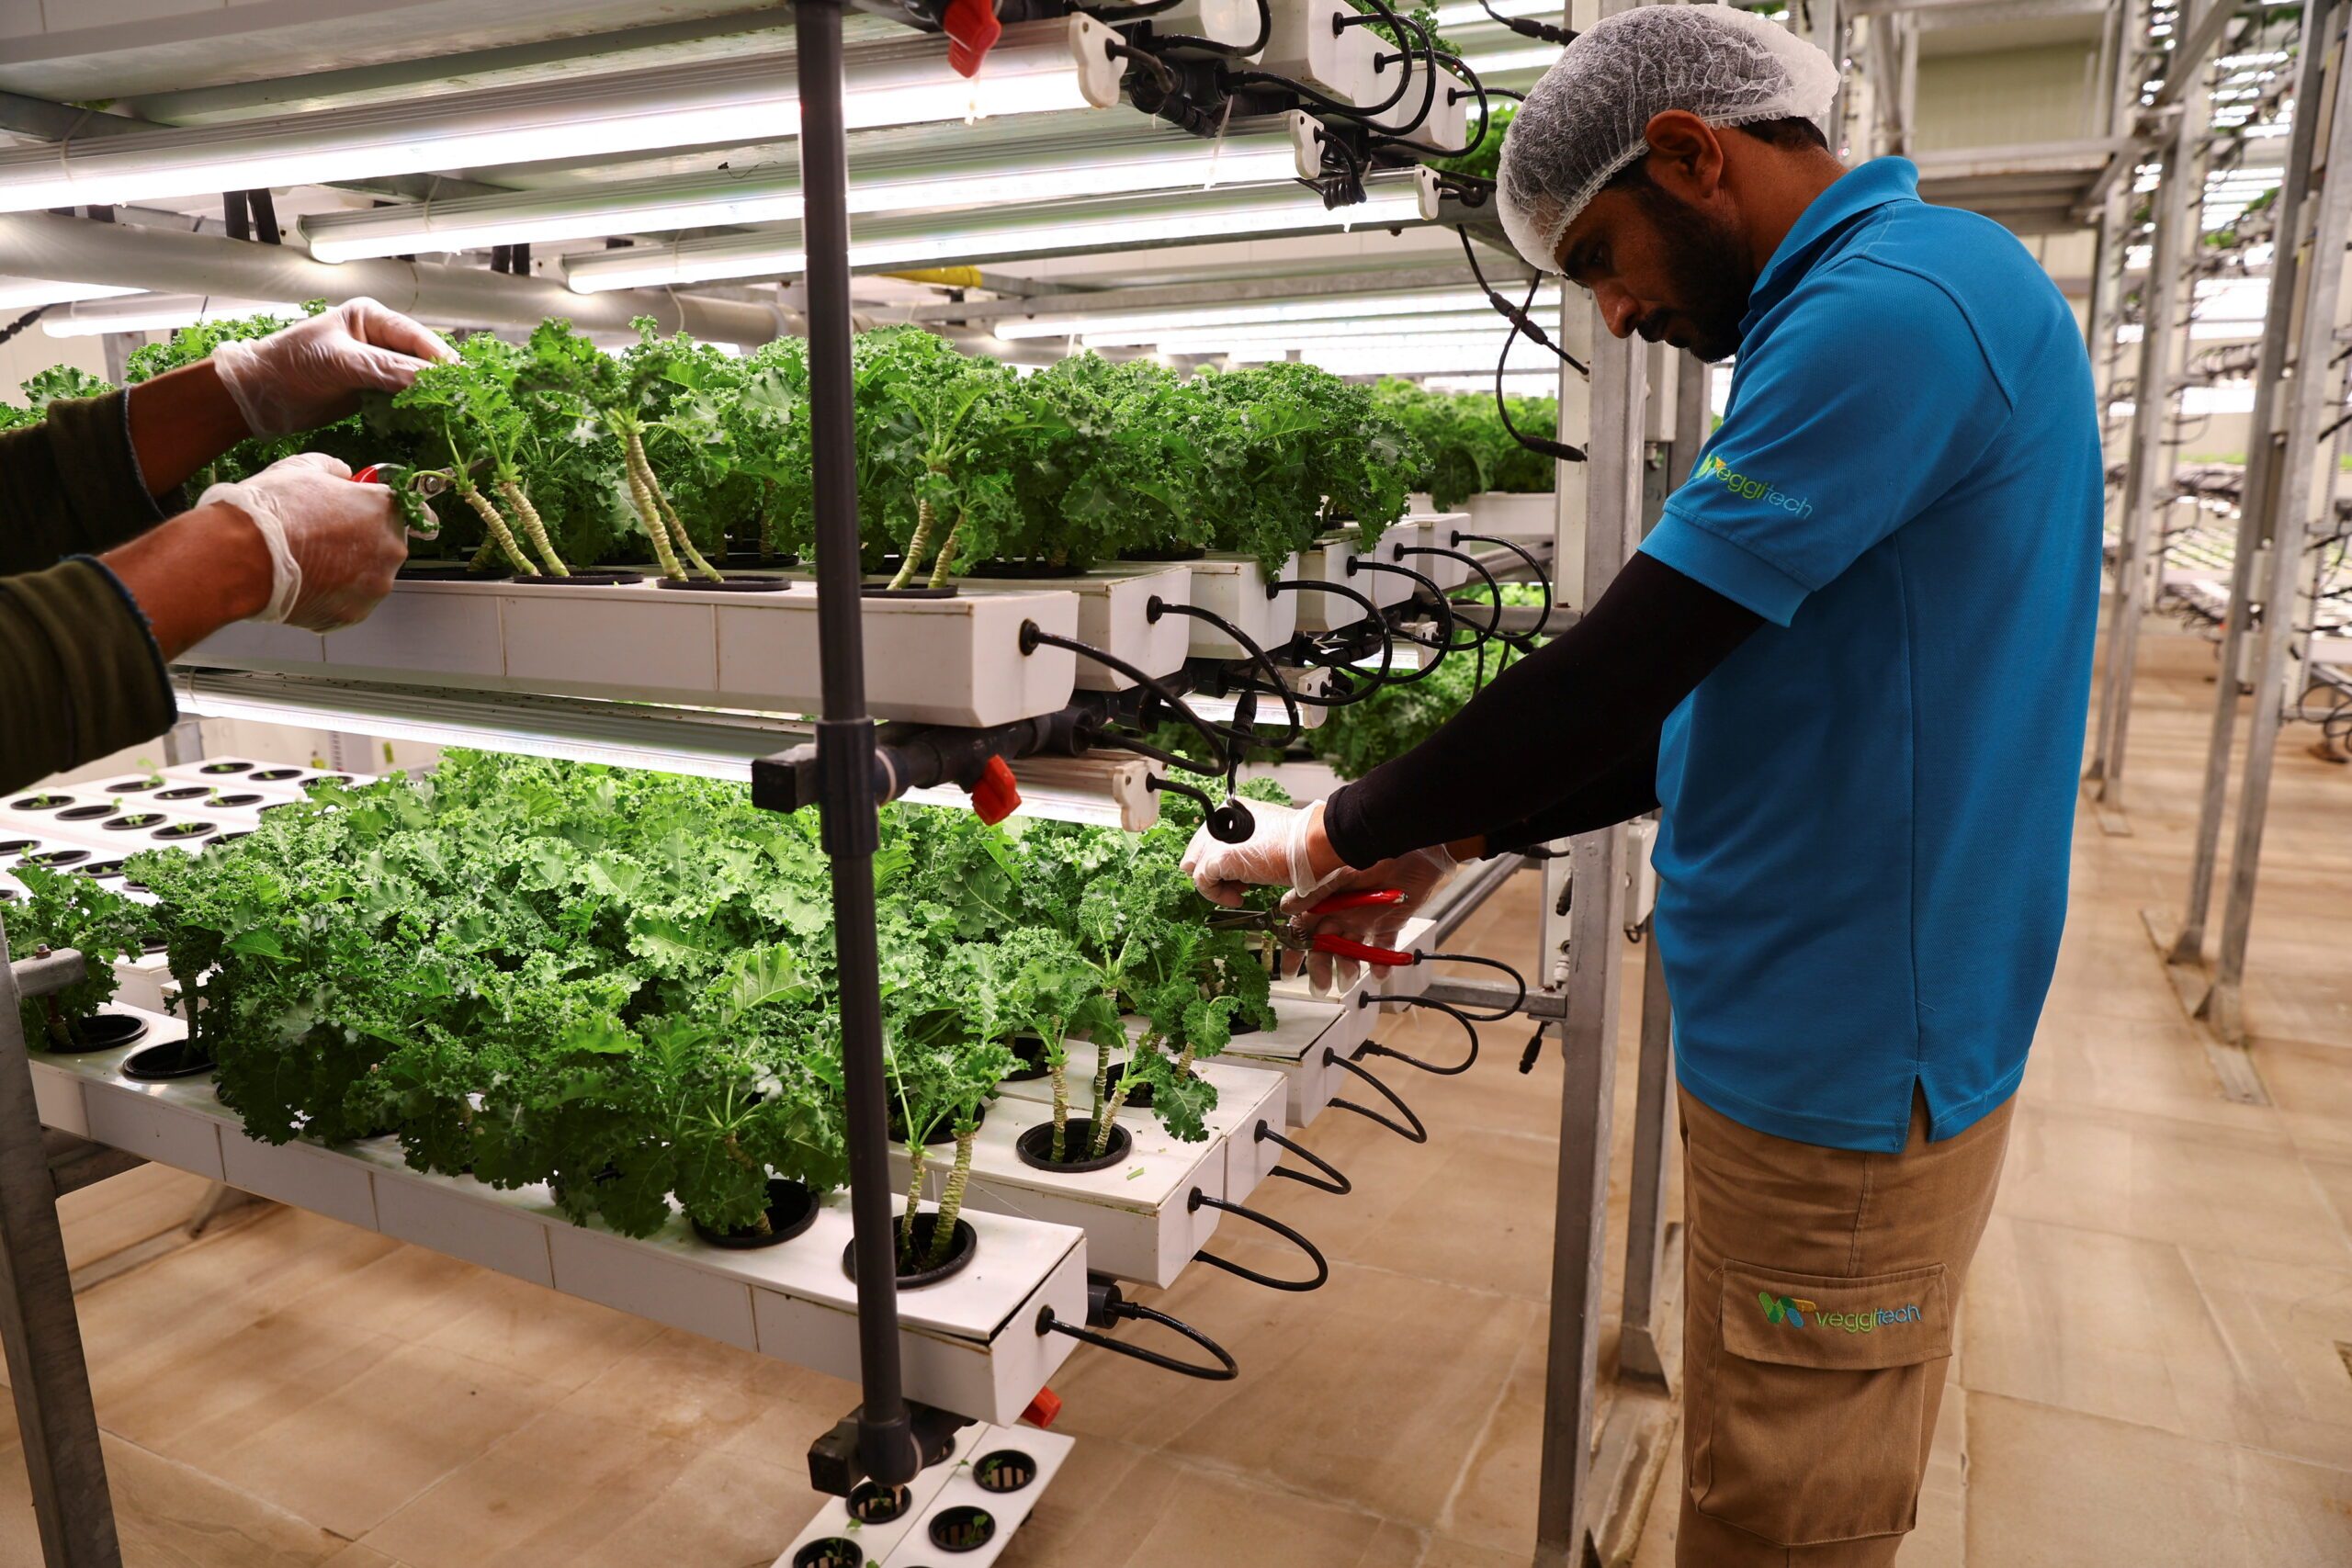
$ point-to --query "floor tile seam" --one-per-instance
(2202, 1439)
(264, 1504)
(1485, 1426)
(1485, 1291)
(2238, 1253)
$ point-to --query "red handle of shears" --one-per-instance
(1348, 947)
(1366, 899)
(366, 476)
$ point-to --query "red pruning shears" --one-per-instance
(1276, 924)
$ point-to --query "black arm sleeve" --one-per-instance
(1625, 791)
(1551, 726)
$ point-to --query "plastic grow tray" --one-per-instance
(954, 1483)
(1328, 562)
(970, 1344)
(1244, 1094)
(1508, 514)
(1137, 1213)
(1294, 1048)
(1234, 586)
(954, 660)
(1437, 531)
(1113, 604)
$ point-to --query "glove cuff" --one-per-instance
(284, 571)
(1304, 884)
(236, 363)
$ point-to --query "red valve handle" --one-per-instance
(997, 794)
(972, 29)
(1348, 947)
(1044, 1408)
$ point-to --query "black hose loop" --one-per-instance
(1375, 1048)
(1225, 1372)
(1033, 637)
(1523, 641)
(1333, 1180)
(1413, 1133)
(1517, 979)
(1200, 1200)
(1256, 656)
(1444, 643)
(1229, 823)
(1372, 612)
(1479, 635)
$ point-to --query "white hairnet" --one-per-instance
(1584, 121)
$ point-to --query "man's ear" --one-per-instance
(1686, 155)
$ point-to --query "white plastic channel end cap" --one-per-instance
(1428, 191)
(1306, 141)
(1100, 72)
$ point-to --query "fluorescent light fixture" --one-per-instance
(24, 293)
(1035, 68)
(156, 313)
(1322, 307)
(1450, 324)
(1503, 62)
(1449, 17)
(935, 177)
(1123, 222)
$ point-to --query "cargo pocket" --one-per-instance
(1819, 1417)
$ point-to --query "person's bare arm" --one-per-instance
(179, 422)
(194, 575)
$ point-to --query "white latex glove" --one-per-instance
(333, 546)
(1417, 875)
(310, 373)
(1273, 855)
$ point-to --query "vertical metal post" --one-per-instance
(2319, 281)
(1588, 1035)
(2160, 297)
(55, 1420)
(1637, 1340)
(845, 757)
(2184, 944)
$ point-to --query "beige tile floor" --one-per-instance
(2153, 1350)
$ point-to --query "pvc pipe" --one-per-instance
(41, 244)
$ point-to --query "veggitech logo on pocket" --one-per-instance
(1754, 490)
(1791, 1310)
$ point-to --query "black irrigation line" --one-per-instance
(1480, 634)
(1106, 1304)
(1523, 641)
(1333, 1179)
(1373, 1047)
(1033, 637)
(1444, 643)
(1227, 78)
(1155, 607)
(1413, 1133)
(1200, 1200)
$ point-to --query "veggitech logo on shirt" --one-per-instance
(1792, 1311)
(1754, 490)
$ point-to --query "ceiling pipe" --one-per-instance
(39, 244)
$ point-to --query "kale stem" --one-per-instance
(642, 499)
(678, 529)
(946, 555)
(485, 509)
(511, 492)
(767, 520)
(1103, 1118)
(917, 548)
(951, 1196)
(914, 1202)
(1059, 1073)
(1101, 1077)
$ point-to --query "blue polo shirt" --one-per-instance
(1867, 809)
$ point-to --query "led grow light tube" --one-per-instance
(24, 293)
(1006, 234)
(156, 313)
(1457, 325)
(1209, 317)
(1043, 66)
(906, 183)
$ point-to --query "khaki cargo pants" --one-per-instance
(1819, 1288)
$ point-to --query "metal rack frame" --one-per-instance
(2296, 386)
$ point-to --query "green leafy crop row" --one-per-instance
(565, 457)
(622, 984)
(1464, 448)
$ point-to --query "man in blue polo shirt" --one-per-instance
(1849, 667)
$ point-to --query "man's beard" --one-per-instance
(1708, 268)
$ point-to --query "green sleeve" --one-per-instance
(71, 485)
(80, 674)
